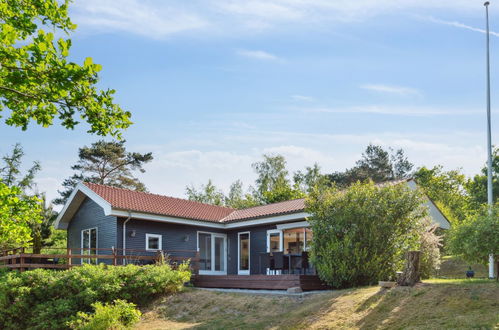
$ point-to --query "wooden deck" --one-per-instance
(260, 282)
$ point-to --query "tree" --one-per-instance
(42, 230)
(237, 199)
(10, 173)
(37, 81)
(447, 189)
(310, 179)
(477, 186)
(17, 214)
(376, 164)
(272, 183)
(476, 237)
(106, 163)
(362, 233)
(208, 194)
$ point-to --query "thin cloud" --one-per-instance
(400, 90)
(305, 98)
(393, 110)
(257, 54)
(458, 25)
(136, 17)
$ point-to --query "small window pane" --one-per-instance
(153, 243)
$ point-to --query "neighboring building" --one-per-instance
(229, 241)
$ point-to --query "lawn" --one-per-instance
(434, 304)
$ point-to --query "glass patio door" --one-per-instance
(212, 253)
(243, 253)
(89, 245)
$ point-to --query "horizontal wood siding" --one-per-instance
(90, 215)
(173, 236)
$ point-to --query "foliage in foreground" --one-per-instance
(17, 214)
(117, 315)
(38, 82)
(362, 233)
(47, 299)
(476, 237)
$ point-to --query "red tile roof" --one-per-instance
(181, 208)
(157, 204)
(287, 207)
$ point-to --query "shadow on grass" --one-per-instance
(435, 305)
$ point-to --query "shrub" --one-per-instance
(430, 244)
(47, 299)
(362, 233)
(476, 237)
(117, 315)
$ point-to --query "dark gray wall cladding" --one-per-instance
(173, 235)
(90, 215)
(258, 244)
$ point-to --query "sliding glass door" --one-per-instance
(89, 245)
(212, 249)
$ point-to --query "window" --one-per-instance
(153, 242)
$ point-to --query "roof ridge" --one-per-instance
(159, 195)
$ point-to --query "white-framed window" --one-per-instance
(153, 242)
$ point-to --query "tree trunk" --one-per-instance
(411, 275)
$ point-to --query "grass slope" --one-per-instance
(435, 304)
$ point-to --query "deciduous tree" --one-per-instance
(37, 80)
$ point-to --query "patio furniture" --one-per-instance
(281, 262)
(264, 259)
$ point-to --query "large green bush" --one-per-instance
(117, 315)
(476, 237)
(362, 233)
(48, 299)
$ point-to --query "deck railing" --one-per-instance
(56, 258)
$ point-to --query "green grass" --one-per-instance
(454, 267)
(434, 304)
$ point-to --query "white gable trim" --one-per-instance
(63, 218)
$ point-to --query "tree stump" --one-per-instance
(411, 275)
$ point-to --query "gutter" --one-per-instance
(124, 235)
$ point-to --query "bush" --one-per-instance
(476, 237)
(48, 299)
(362, 233)
(118, 315)
(430, 244)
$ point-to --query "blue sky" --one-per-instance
(214, 84)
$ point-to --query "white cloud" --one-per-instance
(298, 97)
(458, 25)
(137, 17)
(393, 110)
(257, 54)
(391, 89)
(159, 19)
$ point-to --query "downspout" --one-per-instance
(124, 235)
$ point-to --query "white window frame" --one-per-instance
(213, 235)
(239, 271)
(160, 242)
(96, 243)
(281, 242)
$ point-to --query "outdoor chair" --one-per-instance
(280, 262)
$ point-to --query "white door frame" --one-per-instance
(212, 271)
(239, 271)
(90, 260)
